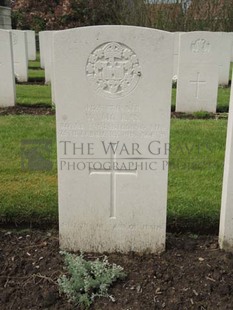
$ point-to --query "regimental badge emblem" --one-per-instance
(200, 46)
(113, 69)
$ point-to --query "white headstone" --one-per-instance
(113, 85)
(52, 74)
(41, 47)
(176, 53)
(20, 55)
(231, 34)
(197, 85)
(31, 44)
(226, 218)
(47, 52)
(225, 58)
(7, 78)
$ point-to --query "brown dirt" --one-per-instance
(192, 274)
(33, 110)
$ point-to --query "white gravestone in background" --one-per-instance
(20, 55)
(197, 86)
(226, 218)
(225, 58)
(31, 44)
(41, 47)
(113, 88)
(52, 74)
(7, 78)
(47, 55)
(176, 54)
(231, 34)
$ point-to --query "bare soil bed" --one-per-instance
(192, 274)
(31, 110)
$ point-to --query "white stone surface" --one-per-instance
(52, 73)
(226, 218)
(31, 44)
(47, 54)
(113, 85)
(176, 53)
(41, 47)
(197, 86)
(225, 58)
(231, 34)
(20, 55)
(7, 78)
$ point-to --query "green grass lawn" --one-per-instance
(35, 64)
(26, 196)
(29, 95)
(195, 177)
(35, 73)
(196, 172)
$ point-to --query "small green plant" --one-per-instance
(88, 279)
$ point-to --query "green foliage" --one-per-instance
(88, 279)
(212, 15)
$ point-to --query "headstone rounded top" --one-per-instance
(113, 69)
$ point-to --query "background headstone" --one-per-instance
(31, 44)
(226, 218)
(20, 55)
(7, 78)
(197, 86)
(113, 85)
(176, 53)
(41, 47)
(231, 33)
(225, 58)
(47, 55)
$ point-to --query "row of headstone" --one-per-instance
(113, 86)
(16, 48)
(201, 62)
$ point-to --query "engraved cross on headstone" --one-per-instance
(113, 182)
(197, 82)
